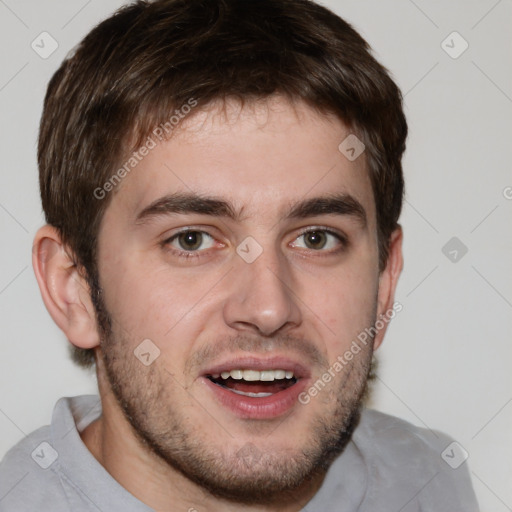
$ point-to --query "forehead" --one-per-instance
(261, 157)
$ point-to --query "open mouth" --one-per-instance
(255, 383)
(254, 388)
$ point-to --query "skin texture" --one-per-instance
(164, 435)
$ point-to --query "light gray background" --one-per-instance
(447, 356)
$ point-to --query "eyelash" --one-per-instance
(182, 253)
(342, 239)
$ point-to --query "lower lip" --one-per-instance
(259, 408)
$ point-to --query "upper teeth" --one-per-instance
(253, 375)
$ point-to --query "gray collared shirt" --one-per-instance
(388, 466)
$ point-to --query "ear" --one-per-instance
(388, 280)
(64, 291)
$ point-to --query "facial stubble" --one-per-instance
(243, 473)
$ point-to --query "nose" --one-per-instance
(261, 297)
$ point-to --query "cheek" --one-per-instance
(148, 301)
(343, 304)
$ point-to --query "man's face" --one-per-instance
(245, 249)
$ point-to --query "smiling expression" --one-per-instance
(245, 248)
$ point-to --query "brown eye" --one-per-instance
(319, 240)
(315, 239)
(191, 241)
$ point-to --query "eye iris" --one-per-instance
(315, 239)
(191, 240)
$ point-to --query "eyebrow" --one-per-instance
(339, 204)
(186, 203)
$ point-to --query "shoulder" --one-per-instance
(389, 434)
(418, 464)
(28, 477)
(397, 444)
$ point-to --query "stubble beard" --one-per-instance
(249, 474)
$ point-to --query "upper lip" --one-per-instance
(254, 362)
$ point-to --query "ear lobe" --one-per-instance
(387, 283)
(64, 291)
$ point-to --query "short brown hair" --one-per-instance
(135, 68)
